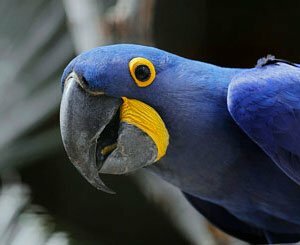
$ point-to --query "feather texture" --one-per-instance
(265, 103)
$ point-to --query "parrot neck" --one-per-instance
(201, 130)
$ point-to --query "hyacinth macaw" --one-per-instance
(228, 138)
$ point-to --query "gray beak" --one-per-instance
(95, 140)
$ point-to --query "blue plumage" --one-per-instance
(265, 102)
(234, 133)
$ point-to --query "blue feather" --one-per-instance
(234, 133)
(270, 99)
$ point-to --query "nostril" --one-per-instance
(83, 81)
(88, 88)
(71, 76)
(66, 81)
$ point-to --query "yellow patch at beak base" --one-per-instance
(148, 120)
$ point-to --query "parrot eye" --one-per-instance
(142, 71)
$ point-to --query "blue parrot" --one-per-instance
(227, 137)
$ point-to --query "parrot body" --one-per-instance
(219, 163)
(234, 134)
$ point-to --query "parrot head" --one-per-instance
(112, 113)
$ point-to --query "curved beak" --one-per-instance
(95, 139)
(82, 119)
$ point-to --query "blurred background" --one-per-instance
(43, 200)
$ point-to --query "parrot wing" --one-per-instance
(265, 103)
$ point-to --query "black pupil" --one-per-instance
(142, 73)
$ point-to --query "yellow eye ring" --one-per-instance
(142, 71)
